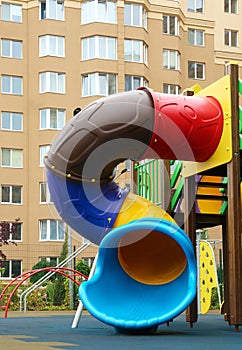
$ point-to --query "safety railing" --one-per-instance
(149, 181)
(43, 279)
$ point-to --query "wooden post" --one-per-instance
(190, 228)
(133, 177)
(233, 282)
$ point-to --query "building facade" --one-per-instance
(57, 55)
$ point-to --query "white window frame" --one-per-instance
(14, 16)
(12, 50)
(11, 116)
(43, 151)
(44, 190)
(11, 194)
(88, 260)
(45, 115)
(11, 269)
(51, 45)
(195, 70)
(232, 6)
(91, 84)
(92, 11)
(194, 6)
(193, 37)
(130, 10)
(171, 88)
(48, 259)
(12, 79)
(169, 53)
(57, 13)
(230, 33)
(168, 24)
(53, 82)
(12, 154)
(92, 47)
(142, 54)
(11, 236)
(133, 78)
(48, 223)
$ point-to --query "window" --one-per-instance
(12, 85)
(196, 70)
(45, 196)
(135, 15)
(11, 48)
(51, 45)
(16, 234)
(51, 9)
(231, 6)
(134, 82)
(231, 37)
(11, 12)
(171, 59)
(171, 89)
(170, 25)
(196, 37)
(52, 230)
(43, 152)
(135, 51)
(12, 121)
(99, 11)
(12, 158)
(14, 231)
(11, 194)
(88, 261)
(52, 118)
(52, 82)
(195, 5)
(12, 268)
(99, 84)
(99, 47)
(50, 259)
(128, 164)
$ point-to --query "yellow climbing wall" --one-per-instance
(208, 275)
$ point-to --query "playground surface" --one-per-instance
(52, 330)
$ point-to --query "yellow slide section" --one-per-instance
(148, 256)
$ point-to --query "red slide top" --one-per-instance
(185, 127)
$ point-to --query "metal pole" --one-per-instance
(74, 287)
(199, 233)
(69, 233)
(80, 305)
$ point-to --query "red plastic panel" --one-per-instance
(186, 127)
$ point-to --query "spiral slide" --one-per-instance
(146, 270)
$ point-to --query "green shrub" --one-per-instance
(41, 265)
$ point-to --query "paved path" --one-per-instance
(46, 331)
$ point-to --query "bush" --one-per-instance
(59, 291)
(82, 267)
(214, 299)
(41, 265)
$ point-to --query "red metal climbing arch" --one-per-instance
(65, 271)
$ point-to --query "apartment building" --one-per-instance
(57, 55)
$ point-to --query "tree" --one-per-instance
(59, 286)
(40, 265)
(82, 267)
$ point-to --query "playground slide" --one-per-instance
(146, 270)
